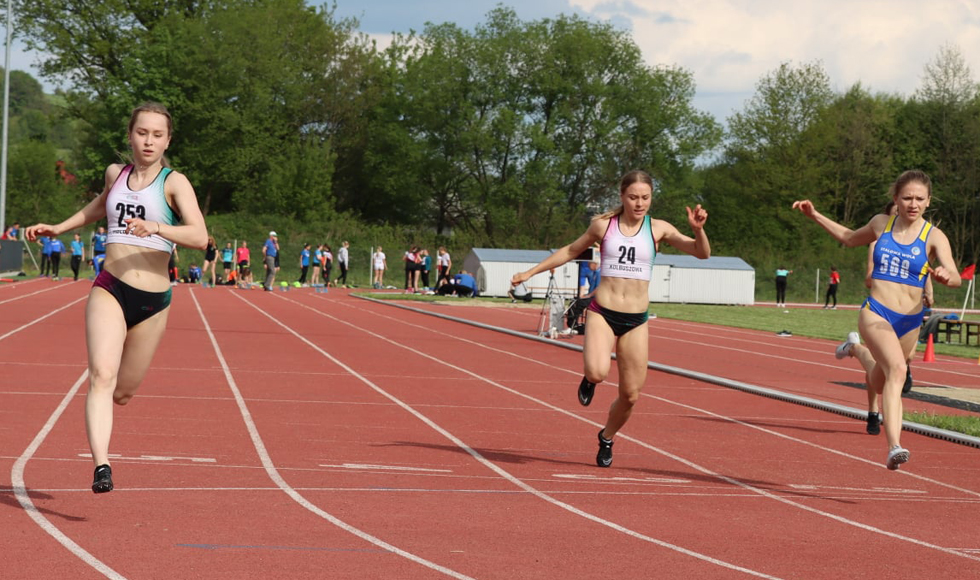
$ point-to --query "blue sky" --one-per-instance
(729, 44)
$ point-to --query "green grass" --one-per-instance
(809, 322)
(966, 424)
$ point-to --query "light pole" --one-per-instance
(6, 122)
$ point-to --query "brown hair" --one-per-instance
(635, 176)
(908, 177)
(153, 107)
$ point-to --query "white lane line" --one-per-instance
(680, 459)
(479, 457)
(39, 319)
(20, 490)
(904, 472)
(273, 473)
(36, 292)
(367, 467)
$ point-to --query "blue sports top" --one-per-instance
(902, 264)
(623, 256)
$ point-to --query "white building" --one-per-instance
(675, 278)
(494, 268)
(717, 280)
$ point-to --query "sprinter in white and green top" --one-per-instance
(617, 318)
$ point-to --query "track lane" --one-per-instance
(288, 392)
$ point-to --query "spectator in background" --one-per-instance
(244, 255)
(77, 255)
(193, 274)
(444, 263)
(343, 262)
(379, 265)
(172, 266)
(211, 259)
(245, 278)
(782, 275)
(520, 292)
(411, 259)
(12, 232)
(228, 261)
(425, 267)
(98, 242)
(270, 251)
(97, 263)
(832, 288)
(45, 243)
(327, 263)
(57, 247)
(463, 284)
(304, 263)
(317, 261)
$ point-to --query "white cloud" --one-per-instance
(729, 45)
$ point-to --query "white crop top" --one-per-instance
(628, 256)
(150, 203)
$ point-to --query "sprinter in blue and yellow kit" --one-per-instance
(892, 314)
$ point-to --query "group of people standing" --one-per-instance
(52, 249)
(314, 262)
(418, 268)
(234, 260)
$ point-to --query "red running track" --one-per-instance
(302, 435)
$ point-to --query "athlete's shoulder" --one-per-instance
(600, 224)
(112, 172)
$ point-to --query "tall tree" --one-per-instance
(258, 89)
(946, 120)
(517, 129)
(769, 154)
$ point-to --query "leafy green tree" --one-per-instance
(945, 125)
(249, 82)
(856, 153)
(35, 191)
(519, 129)
(769, 155)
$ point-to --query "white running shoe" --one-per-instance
(897, 456)
(844, 348)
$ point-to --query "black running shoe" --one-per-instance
(874, 423)
(103, 479)
(908, 380)
(604, 457)
(585, 392)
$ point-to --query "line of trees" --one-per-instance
(508, 135)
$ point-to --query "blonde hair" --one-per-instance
(153, 107)
(635, 176)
